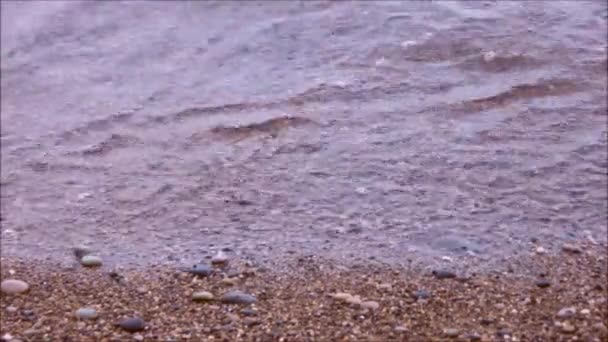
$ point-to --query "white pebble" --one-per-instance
(86, 313)
(566, 312)
(91, 261)
(14, 286)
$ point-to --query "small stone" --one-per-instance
(14, 286)
(421, 294)
(566, 312)
(568, 328)
(251, 321)
(11, 309)
(400, 329)
(133, 324)
(230, 281)
(499, 306)
(202, 296)
(450, 332)
(385, 286)
(219, 259)
(540, 250)
(91, 261)
(249, 312)
(444, 274)
(232, 317)
(585, 312)
(237, 297)
(543, 283)
(569, 248)
(142, 290)
(354, 300)
(472, 337)
(81, 251)
(138, 337)
(86, 313)
(600, 327)
(342, 296)
(200, 270)
(371, 305)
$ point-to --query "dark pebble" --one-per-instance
(543, 283)
(134, 324)
(237, 297)
(421, 294)
(200, 270)
(249, 312)
(486, 321)
(443, 274)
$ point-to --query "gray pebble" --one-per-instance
(421, 294)
(200, 270)
(80, 251)
(444, 274)
(566, 312)
(249, 312)
(543, 283)
(91, 261)
(237, 297)
(86, 313)
(133, 324)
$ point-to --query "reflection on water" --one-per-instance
(418, 129)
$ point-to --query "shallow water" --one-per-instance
(420, 130)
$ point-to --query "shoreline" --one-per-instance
(312, 299)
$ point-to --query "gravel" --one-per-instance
(309, 303)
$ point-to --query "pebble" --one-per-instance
(371, 305)
(421, 294)
(385, 286)
(138, 337)
(444, 274)
(354, 300)
(202, 296)
(601, 327)
(91, 261)
(219, 259)
(543, 283)
(81, 251)
(472, 337)
(569, 248)
(343, 296)
(230, 281)
(450, 332)
(11, 309)
(540, 250)
(568, 328)
(400, 329)
(249, 312)
(14, 286)
(585, 312)
(566, 312)
(86, 313)
(133, 324)
(237, 297)
(200, 270)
